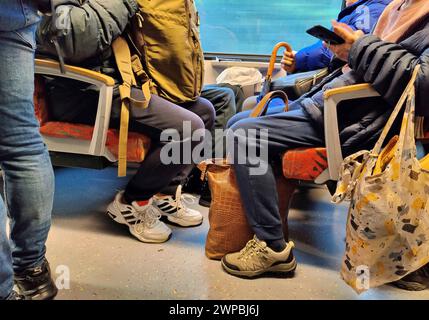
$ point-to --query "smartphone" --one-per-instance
(325, 34)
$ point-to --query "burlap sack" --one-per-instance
(229, 230)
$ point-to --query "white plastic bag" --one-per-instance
(240, 76)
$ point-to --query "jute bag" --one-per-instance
(229, 230)
(388, 221)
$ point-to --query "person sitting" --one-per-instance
(149, 193)
(358, 14)
(317, 56)
(386, 60)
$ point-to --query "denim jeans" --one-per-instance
(27, 170)
(286, 130)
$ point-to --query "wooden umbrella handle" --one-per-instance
(274, 57)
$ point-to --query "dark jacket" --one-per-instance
(388, 67)
(43, 5)
(85, 30)
(317, 56)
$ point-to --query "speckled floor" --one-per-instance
(105, 262)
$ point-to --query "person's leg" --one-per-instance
(6, 270)
(141, 205)
(268, 251)
(286, 131)
(250, 103)
(154, 176)
(273, 108)
(27, 170)
(223, 100)
(203, 108)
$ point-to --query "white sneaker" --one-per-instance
(143, 221)
(176, 211)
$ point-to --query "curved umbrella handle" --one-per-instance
(274, 57)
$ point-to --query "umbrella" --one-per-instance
(267, 83)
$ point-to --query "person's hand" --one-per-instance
(349, 35)
(289, 62)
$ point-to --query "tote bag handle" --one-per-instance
(394, 115)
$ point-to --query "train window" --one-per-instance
(253, 26)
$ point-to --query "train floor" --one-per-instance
(105, 262)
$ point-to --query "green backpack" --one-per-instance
(165, 37)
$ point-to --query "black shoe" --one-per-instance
(206, 196)
(14, 296)
(36, 283)
(193, 183)
(415, 281)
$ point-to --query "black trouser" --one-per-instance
(153, 176)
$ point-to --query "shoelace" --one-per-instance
(252, 247)
(181, 200)
(147, 217)
(15, 296)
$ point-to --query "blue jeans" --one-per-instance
(286, 130)
(276, 106)
(27, 170)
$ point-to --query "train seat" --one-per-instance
(322, 165)
(79, 139)
(304, 164)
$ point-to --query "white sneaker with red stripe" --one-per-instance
(142, 221)
(176, 211)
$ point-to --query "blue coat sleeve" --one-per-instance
(365, 17)
(313, 57)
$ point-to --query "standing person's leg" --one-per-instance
(6, 269)
(27, 170)
(286, 131)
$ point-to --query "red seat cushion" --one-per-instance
(40, 108)
(137, 148)
(304, 163)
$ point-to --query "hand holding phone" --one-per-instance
(325, 35)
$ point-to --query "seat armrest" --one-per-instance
(50, 67)
(332, 136)
(104, 83)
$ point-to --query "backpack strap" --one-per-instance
(138, 69)
(129, 96)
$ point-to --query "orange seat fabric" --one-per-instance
(138, 144)
(304, 163)
(40, 108)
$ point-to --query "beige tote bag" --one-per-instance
(388, 221)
